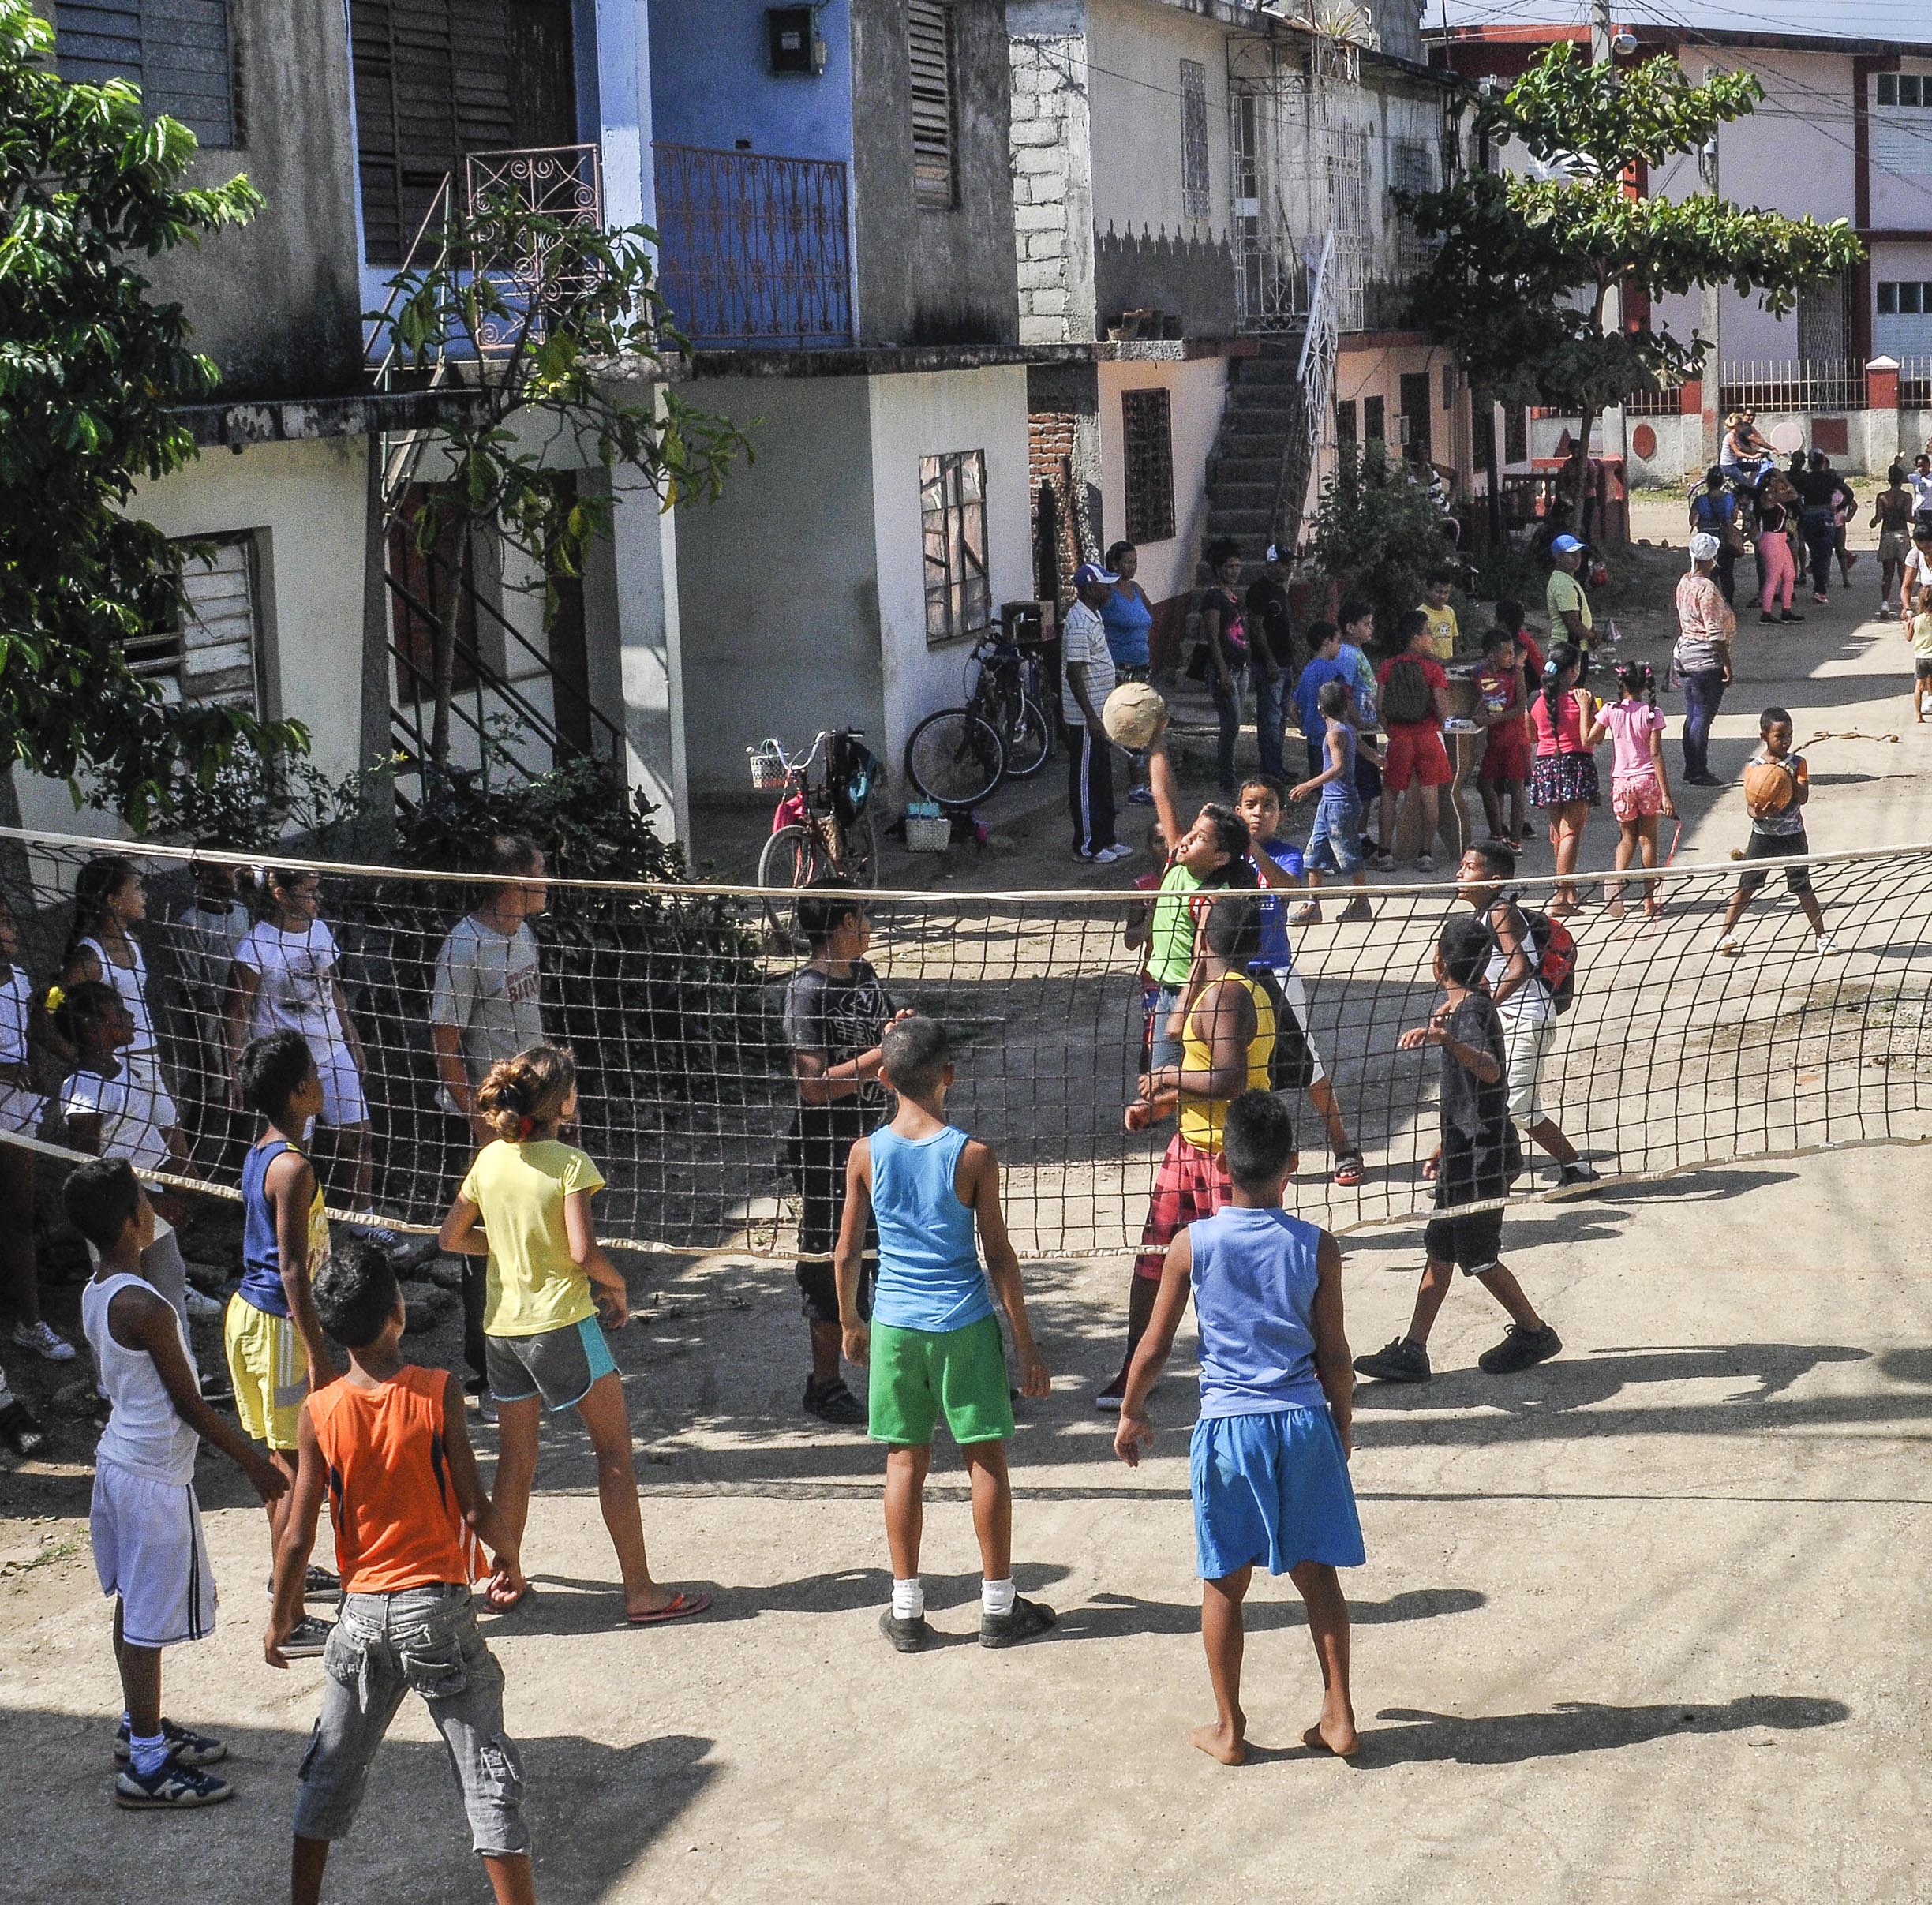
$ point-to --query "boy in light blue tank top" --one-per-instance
(934, 1341)
(1269, 1459)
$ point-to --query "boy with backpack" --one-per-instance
(1530, 978)
(1412, 686)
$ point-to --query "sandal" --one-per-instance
(685, 1601)
(1308, 914)
(1355, 909)
(1348, 1171)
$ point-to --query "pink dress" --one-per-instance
(1635, 790)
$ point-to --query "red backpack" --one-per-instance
(1556, 956)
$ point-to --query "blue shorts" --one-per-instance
(1273, 1488)
(560, 1364)
(1334, 840)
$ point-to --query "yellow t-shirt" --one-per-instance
(1442, 631)
(1922, 635)
(1565, 594)
(532, 1286)
(1202, 1118)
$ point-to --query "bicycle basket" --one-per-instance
(768, 766)
(855, 772)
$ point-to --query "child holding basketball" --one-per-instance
(1639, 780)
(543, 1347)
(1777, 786)
(933, 1343)
(1270, 1450)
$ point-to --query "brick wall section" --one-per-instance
(1053, 188)
(1050, 446)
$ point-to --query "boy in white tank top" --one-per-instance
(144, 1522)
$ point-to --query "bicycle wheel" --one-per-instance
(859, 853)
(955, 758)
(1029, 737)
(792, 858)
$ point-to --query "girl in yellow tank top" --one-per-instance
(1201, 1118)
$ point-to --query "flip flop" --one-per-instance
(672, 1611)
(1349, 1170)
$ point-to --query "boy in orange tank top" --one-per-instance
(387, 1443)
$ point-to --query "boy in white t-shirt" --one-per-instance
(144, 1522)
(207, 931)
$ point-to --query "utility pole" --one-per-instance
(1602, 53)
(1711, 321)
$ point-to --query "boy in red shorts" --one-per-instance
(1412, 686)
(1503, 708)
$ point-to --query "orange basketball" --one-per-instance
(1767, 787)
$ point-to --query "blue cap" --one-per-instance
(1564, 545)
(1092, 572)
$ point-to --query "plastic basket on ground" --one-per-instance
(768, 765)
(927, 829)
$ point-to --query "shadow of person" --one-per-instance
(1111, 1617)
(1577, 1726)
(1912, 1366)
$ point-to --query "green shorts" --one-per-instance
(916, 1373)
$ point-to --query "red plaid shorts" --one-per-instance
(1189, 1183)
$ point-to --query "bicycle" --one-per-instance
(818, 827)
(959, 756)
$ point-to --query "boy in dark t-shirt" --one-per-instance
(836, 1013)
(1475, 1162)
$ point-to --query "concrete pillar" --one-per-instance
(644, 547)
(1884, 443)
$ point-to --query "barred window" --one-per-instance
(1195, 199)
(929, 37)
(959, 597)
(214, 657)
(1147, 438)
(1344, 419)
(177, 51)
(1374, 420)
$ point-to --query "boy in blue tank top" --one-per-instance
(934, 1341)
(1268, 1462)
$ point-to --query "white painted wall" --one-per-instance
(1198, 389)
(923, 415)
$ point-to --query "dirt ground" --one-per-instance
(1645, 1622)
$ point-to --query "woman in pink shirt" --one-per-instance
(1639, 781)
(1563, 777)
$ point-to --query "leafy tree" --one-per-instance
(557, 329)
(90, 372)
(1528, 262)
(1377, 533)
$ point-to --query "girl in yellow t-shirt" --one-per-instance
(550, 1291)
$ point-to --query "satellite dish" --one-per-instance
(1787, 436)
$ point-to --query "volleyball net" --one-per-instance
(672, 999)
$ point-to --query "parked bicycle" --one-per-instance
(821, 824)
(961, 756)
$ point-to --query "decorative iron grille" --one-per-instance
(755, 249)
(1147, 439)
(564, 184)
(1196, 186)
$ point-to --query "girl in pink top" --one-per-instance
(1563, 777)
(1639, 781)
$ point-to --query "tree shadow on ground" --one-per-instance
(1113, 1617)
(1573, 1727)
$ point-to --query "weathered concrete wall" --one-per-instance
(1189, 279)
(933, 277)
(1398, 26)
(277, 303)
(1197, 394)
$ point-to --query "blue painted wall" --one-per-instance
(710, 86)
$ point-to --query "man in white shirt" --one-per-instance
(1087, 679)
(487, 1005)
(1921, 482)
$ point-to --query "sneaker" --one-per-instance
(372, 1229)
(184, 1749)
(1824, 945)
(1767, 616)
(317, 1583)
(1787, 617)
(215, 1385)
(1578, 1173)
(1884, 612)
(196, 1304)
(1108, 1401)
(169, 1786)
(1401, 1362)
(1519, 1349)
(1382, 862)
(1119, 850)
(1085, 853)
(902, 1636)
(1426, 862)
(21, 1430)
(1027, 1619)
(44, 1340)
(306, 1639)
(833, 1402)
(486, 1406)
(1702, 780)
(1140, 796)
(1730, 945)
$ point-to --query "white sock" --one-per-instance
(996, 1596)
(908, 1602)
(150, 1755)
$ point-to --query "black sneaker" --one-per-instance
(1401, 1362)
(1027, 1619)
(22, 1431)
(1578, 1173)
(902, 1636)
(1108, 1400)
(170, 1786)
(184, 1749)
(1519, 1349)
(306, 1639)
(833, 1402)
(317, 1583)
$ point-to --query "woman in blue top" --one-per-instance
(1128, 617)
(1269, 1461)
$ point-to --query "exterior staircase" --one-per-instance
(1262, 423)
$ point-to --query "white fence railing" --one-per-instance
(1793, 383)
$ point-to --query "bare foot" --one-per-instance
(1227, 1744)
(1336, 1736)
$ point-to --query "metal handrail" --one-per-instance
(1315, 374)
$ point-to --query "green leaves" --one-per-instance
(90, 370)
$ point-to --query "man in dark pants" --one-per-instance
(1087, 679)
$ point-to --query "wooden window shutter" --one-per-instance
(176, 51)
(929, 32)
(213, 657)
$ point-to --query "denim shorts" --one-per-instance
(1334, 840)
(423, 1640)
